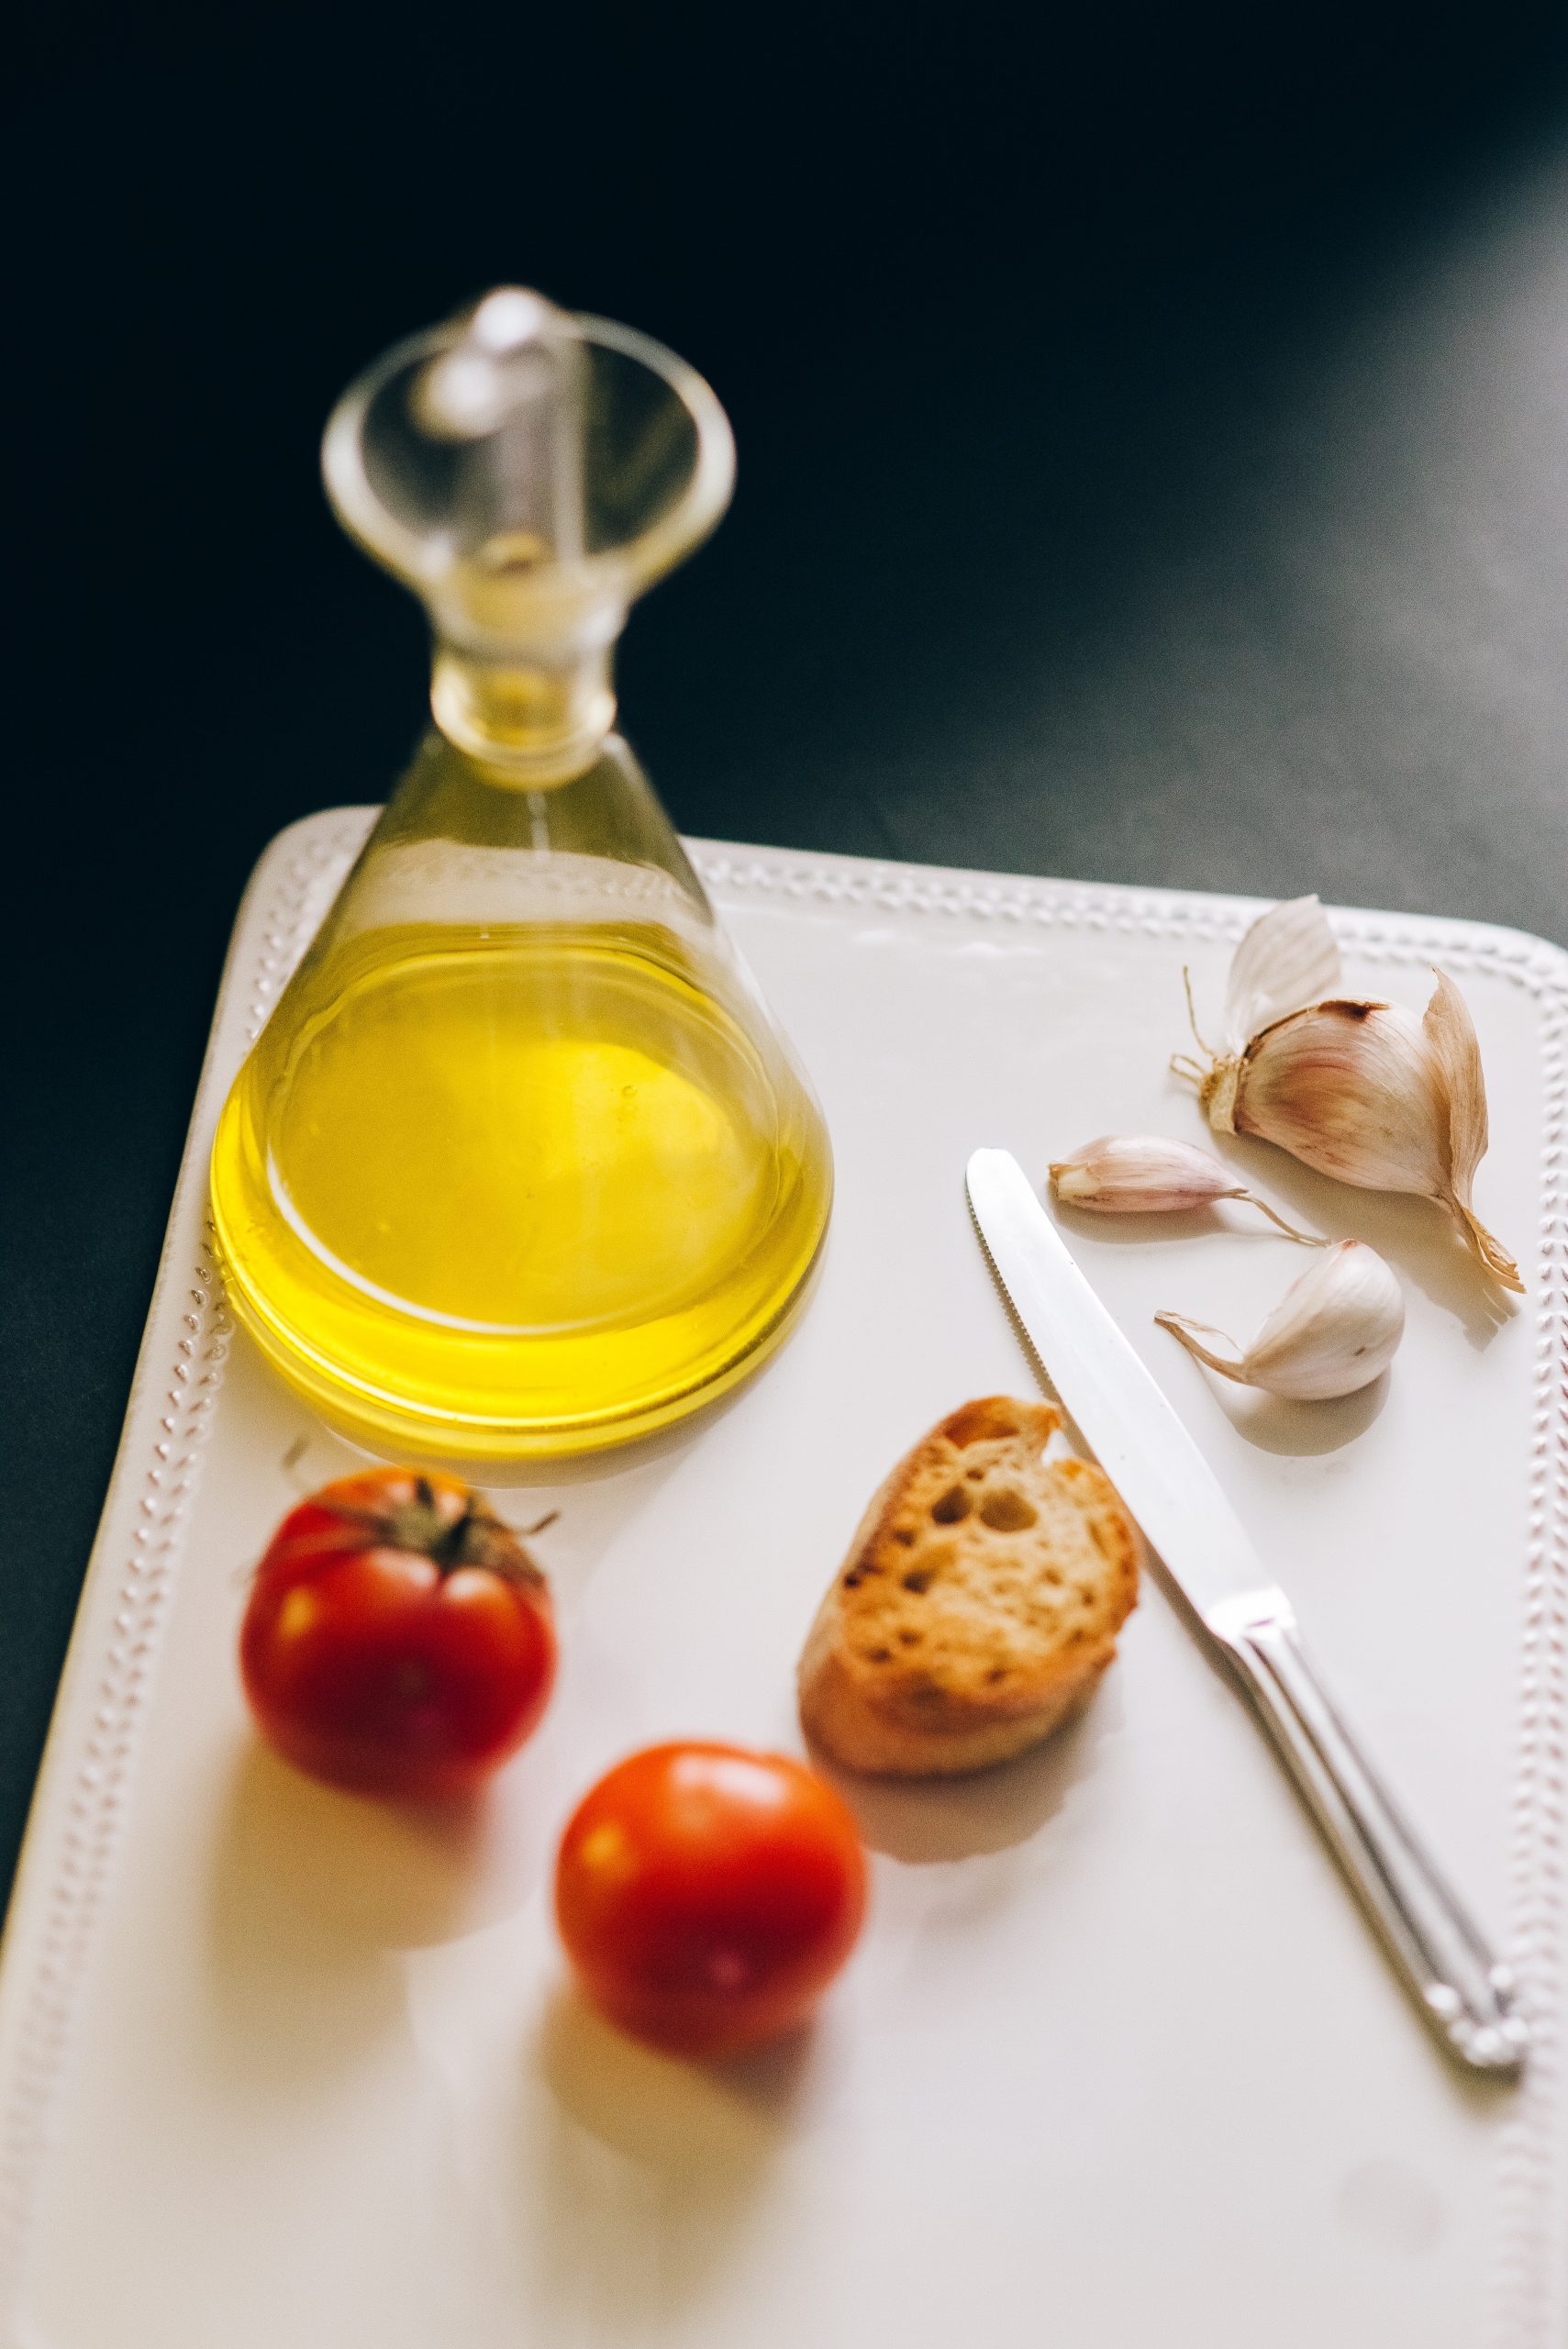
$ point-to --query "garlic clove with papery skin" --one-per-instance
(1345, 1087)
(1288, 959)
(1362, 1091)
(1334, 1330)
(1147, 1175)
(1451, 1038)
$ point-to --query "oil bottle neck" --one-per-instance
(543, 724)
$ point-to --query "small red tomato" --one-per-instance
(399, 1639)
(707, 1896)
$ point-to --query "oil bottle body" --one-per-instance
(519, 1165)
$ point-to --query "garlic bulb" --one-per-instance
(1332, 1333)
(1365, 1092)
(1145, 1174)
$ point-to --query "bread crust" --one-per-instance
(978, 1602)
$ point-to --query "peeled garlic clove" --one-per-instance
(1145, 1174)
(1332, 1333)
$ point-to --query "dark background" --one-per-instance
(1153, 438)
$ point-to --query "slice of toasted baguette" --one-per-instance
(979, 1603)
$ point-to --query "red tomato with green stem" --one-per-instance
(400, 1639)
(707, 1895)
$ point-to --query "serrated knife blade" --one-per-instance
(1167, 1485)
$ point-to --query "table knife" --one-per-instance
(1466, 1995)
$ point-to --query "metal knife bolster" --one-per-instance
(1465, 1994)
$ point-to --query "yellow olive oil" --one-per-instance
(506, 1191)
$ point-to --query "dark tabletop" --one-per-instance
(1153, 468)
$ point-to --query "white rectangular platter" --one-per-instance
(1117, 2062)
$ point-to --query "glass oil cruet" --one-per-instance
(520, 1164)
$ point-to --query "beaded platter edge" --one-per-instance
(84, 1786)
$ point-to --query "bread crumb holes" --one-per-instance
(1006, 1511)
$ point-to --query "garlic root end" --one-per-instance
(1186, 1333)
(1492, 1253)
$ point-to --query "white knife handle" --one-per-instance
(1465, 1993)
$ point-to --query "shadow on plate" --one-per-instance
(921, 1820)
(650, 2168)
(313, 1893)
(1233, 1216)
(1273, 1424)
(1413, 1234)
